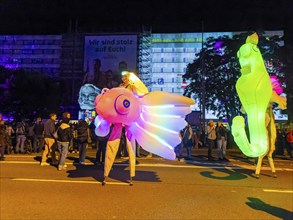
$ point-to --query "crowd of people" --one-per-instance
(54, 139)
(52, 136)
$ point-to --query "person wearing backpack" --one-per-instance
(83, 136)
(20, 137)
(64, 137)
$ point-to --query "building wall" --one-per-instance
(40, 53)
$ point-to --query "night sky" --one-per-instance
(53, 16)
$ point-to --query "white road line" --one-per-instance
(278, 191)
(68, 181)
(187, 166)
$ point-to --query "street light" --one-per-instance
(203, 87)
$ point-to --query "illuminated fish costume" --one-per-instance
(153, 119)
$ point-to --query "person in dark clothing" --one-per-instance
(4, 139)
(63, 140)
(186, 137)
(101, 143)
(38, 139)
(222, 137)
(83, 136)
(20, 137)
(49, 130)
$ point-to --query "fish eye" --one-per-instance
(122, 105)
(126, 103)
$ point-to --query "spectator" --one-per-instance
(49, 130)
(186, 137)
(10, 131)
(222, 134)
(20, 137)
(63, 140)
(289, 143)
(211, 131)
(29, 137)
(101, 144)
(83, 138)
(195, 139)
(38, 139)
(4, 139)
(202, 138)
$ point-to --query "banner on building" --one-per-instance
(109, 54)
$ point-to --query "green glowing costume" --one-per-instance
(255, 91)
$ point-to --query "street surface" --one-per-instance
(196, 189)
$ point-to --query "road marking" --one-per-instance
(194, 165)
(278, 191)
(20, 162)
(69, 181)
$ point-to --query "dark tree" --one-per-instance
(28, 94)
(219, 65)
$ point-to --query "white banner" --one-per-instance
(115, 52)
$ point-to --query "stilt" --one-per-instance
(130, 182)
(104, 181)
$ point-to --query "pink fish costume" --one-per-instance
(152, 119)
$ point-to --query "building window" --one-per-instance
(39, 42)
(7, 51)
(48, 51)
(28, 42)
(26, 61)
(38, 51)
(37, 61)
(27, 51)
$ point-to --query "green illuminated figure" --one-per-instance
(255, 91)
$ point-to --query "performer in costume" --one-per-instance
(271, 126)
(153, 119)
(257, 91)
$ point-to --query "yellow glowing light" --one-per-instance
(254, 90)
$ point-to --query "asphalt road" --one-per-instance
(197, 189)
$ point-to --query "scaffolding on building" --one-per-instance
(144, 56)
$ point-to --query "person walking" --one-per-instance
(49, 130)
(211, 132)
(63, 140)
